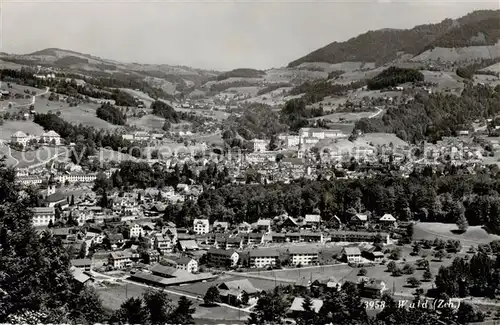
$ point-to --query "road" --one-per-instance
(33, 99)
(377, 113)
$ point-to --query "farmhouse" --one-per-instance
(120, 260)
(83, 264)
(51, 137)
(232, 292)
(184, 263)
(351, 254)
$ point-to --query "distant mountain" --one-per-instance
(382, 46)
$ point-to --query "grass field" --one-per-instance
(473, 236)
(44, 154)
(147, 122)
(82, 114)
(114, 295)
(10, 127)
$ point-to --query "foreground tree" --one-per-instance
(158, 305)
(183, 313)
(212, 296)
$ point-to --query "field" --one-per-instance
(381, 139)
(148, 123)
(37, 157)
(82, 114)
(114, 295)
(10, 127)
(473, 236)
(443, 79)
(140, 95)
(337, 117)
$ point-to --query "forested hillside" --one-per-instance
(382, 46)
(434, 116)
(394, 76)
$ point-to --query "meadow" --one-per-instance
(474, 235)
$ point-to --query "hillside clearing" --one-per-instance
(475, 235)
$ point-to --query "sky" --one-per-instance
(207, 34)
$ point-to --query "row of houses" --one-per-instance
(50, 137)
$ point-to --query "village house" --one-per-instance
(222, 257)
(51, 137)
(220, 226)
(329, 282)
(43, 216)
(373, 288)
(297, 309)
(83, 264)
(29, 180)
(303, 255)
(387, 219)
(264, 225)
(234, 243)
(201, 226)
(261, 258)
(184, 263)
(244, 227)
(359, 219)
(259, 145)
(120, 260)
(357, 236)
(163, 244)
(187, 245)
(232, 292)
(351, 254)
(312, 221)
(136, 231)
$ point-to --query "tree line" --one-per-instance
(86, 138)
(111, 114)
(431, 117)
(394, 76)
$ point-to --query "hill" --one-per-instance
(241, 73)
(382, 46)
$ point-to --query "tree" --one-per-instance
(440, 254)
(158, 305)
(416, 249)
(468, 313)
(83, 250)
(72, 200)
(408, 269)
(414, 282)
(270, 308)
(395, 254)
(462, 222)
(131, 311)
(245, 298)
(391, 266)
(423, 264)
(87, 307)
(362, 272)
(308, 315)
(212, 296)
(183, 313)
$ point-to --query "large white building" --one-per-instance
(136, 231)
(311, 136)
(262, 258)
(42, 216)
(259, 145)
(78, 177)
(51, 137)
(201, 226)
(290, 140)
(303, 256)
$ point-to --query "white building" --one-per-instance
(201, 226)
(303, 256)
(223, 257)
(77, 177)
(42, 216)
(29, 180)
(259, 145)
(120, 260)
(185, 263)
(351, 254)
(51, 137)
(20, 138)
(136, 231)
(262, 258)
(289, 140)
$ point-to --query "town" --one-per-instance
(359, 184)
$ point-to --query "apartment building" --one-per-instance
(136, 231)
(263, 258)
(223, 257)
(303, 256)
(120, 259)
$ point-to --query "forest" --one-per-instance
(111, 114)
(431, 117)
(469, 70)
(316, 91)
(241, 73)
(394, 76)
